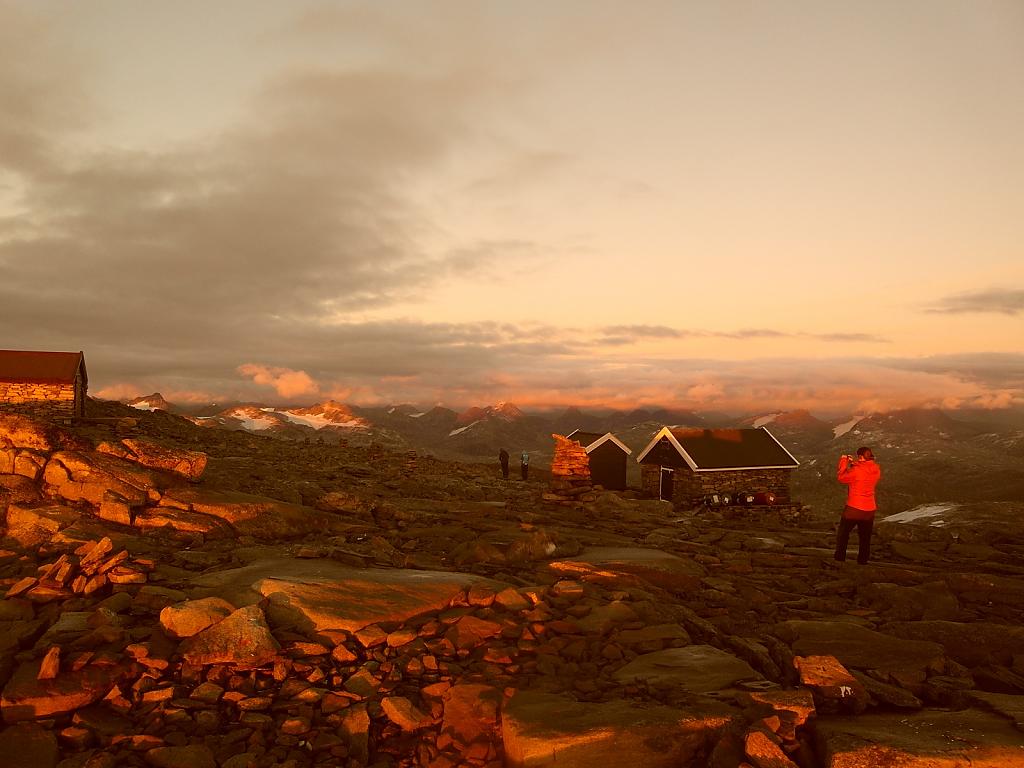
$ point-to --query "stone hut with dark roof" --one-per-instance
(608, 456)
(47, 385)
(686, 466)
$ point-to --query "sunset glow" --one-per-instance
(730, 206)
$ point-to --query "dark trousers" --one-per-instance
(863, 537)
(504, 470)
(526, 470)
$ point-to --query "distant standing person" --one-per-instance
(524, 464)
(861, 474)
(503, 459)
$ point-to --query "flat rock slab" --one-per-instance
(316, 595)
(859, 647)
(88, 475)
(971, 644)
(542, 729)
(33, 524)
(251, 515)
(615, 564)
(189, 464)
(183, 521)
(695, 668)
(931, 739)
(1003, 703)
(25, 697)
(22, 432)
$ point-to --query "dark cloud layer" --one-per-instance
(1004, 301)
(624, 334)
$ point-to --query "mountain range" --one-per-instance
(927, 455)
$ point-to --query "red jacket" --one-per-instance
(862, 477)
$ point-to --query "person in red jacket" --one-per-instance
(861, 475)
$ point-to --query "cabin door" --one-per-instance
(666, 484)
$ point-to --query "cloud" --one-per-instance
(286, 382)
(189, 259)
(628, 334)
(1003, 301)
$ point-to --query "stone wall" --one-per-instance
(690, 487)
(47, 401)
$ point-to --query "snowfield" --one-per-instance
(922, 512)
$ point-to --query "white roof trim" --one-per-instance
(604, 439)
(667, 432)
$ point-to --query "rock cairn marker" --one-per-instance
(570, 483)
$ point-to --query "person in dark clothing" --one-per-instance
(503, 458)
(861, 475)
(524, 464)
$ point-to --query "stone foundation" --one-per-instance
(690, 488)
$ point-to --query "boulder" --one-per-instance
(193, 616)
(88, 475)
(858, 647)
(258, 516)
(403, 713)
(986, 588)
(314, 595)
(188, 464)
(968, 738)
(799, 703)
(927, 601)
(971, 644)
(22, 432)
(833, 687)
(17, 489)
(153, 519)
(26, 697)
(242, 639)
(35, 524)
(617, 565)
(542, 729)
(695, 668)
(470, 712)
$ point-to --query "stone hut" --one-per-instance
(47, 385)
(686, 466)
(608, 458)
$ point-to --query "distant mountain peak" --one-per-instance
(152, 402)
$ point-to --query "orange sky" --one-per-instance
(734, 206)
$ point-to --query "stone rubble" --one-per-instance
(151, 621)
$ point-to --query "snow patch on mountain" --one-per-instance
(250, 421)
(317, 421)
(922, 512)
(760, 421)
(460, 430)
(841, 429)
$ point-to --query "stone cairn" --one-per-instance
(570, 474)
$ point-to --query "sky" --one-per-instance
(731, 206)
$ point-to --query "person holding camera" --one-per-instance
(861, 474)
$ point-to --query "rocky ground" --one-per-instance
(185, 597)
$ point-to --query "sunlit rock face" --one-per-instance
(540, 729)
